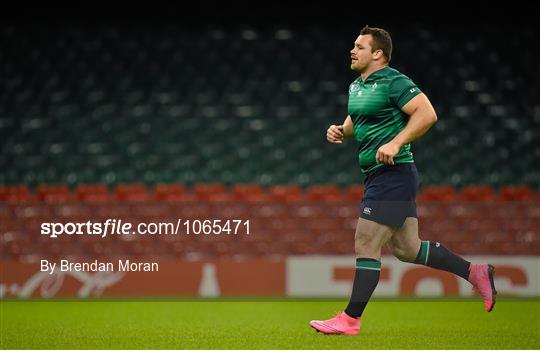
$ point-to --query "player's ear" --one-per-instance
(377, 54)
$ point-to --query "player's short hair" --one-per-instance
(381, 40)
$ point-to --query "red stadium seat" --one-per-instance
(443, 192)
(517, 193)
(97, 197)
(15, 193)
(324, 193)
(249, 192)
(170, 192)
(220, 197)
(92, 193)
(135, 192)
(58, 197)
(287, 192)
(262, 197)
(354, 192)
(72, 211)
(53, 193)
(478, 193)
(207, 190)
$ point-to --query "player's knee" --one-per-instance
(366, 246)
(363, 251)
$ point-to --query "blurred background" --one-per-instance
(154, 120)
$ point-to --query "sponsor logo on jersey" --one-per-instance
(367, 210)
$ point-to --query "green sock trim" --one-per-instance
(369, 265)
(424, 252)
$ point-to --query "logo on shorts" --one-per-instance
(437, 244)
(367, 210)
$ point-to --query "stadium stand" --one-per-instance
(135, 104)
(157, 122)
(320, 219)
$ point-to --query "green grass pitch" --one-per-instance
(223, 324)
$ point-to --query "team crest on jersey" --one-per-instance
(354, 87)
(374, 86)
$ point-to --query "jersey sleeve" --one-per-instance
(402, 90)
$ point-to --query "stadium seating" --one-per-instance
(478, 192)
(443, 192)
(276, 227)
(92, 192)
(170, 192)
(139, 105)
(132, 192)
(354, 192)
(324, 193)
(53, 193)
(250, 192)
(160, 122)
(15, 193)
(289, 192)
(517, 193)
(284, 219)
(210, 191)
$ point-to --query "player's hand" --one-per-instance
(334, 134)
(386, 153)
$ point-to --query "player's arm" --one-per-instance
(336, 133)
(421, 117)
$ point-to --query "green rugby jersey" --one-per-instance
(375, 109)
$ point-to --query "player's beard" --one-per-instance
(355, 66)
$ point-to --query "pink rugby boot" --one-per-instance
(340, 324)
(481, 277)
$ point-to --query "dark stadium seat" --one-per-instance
(173, 125)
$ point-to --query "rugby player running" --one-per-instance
(387, 111)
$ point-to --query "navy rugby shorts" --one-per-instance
(390, 194)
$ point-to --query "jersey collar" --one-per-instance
(375, 74)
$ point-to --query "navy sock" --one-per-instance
(366, 279)
(433, 254)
